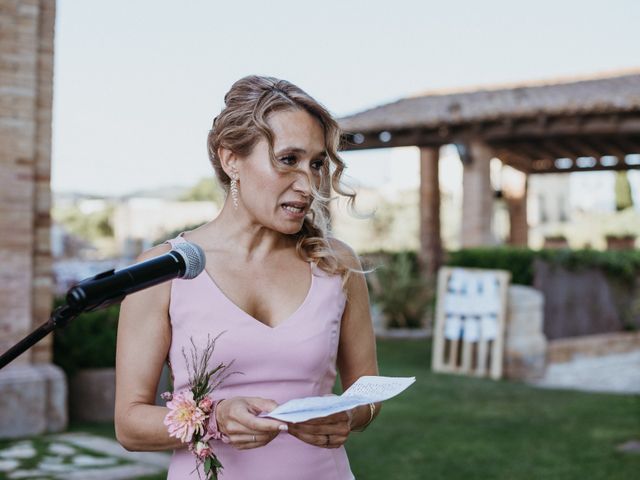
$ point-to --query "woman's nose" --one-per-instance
(302, 183)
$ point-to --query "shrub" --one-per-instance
(518, 261)
(399, 290)
(88, 342)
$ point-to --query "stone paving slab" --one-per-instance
(69, 456)
(114, 449)
(121, 472)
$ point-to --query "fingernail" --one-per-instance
(283, 427)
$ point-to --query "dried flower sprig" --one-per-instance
(190, 409)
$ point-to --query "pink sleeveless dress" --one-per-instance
(297, 358)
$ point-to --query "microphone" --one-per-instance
(185, 260)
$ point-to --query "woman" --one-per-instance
(291, 302)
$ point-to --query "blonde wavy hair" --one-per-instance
(242, 123)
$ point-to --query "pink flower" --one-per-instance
(205, 404)
(184, 417)
(166, 395)
(203, 450)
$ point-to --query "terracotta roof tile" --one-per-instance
(619, 93)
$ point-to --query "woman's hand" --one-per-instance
(327, 432)
(238, 419)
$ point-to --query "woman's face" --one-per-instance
(280, 200)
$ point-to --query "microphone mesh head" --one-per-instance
(193, 257)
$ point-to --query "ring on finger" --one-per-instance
(328, 440)
(254, 438)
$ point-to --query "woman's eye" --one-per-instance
(318, 165)
(288, 160)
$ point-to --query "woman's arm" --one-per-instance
(356, 357)
(144, 337)
(357, 348)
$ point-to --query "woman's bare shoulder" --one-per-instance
(154, 252)
(344, 252)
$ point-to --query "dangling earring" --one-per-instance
(234, 190)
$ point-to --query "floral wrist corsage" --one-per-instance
(192, 411)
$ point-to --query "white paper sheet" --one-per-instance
(489, 327)
(471, 332)
(453, 327)
(365, 390)
(470, 294)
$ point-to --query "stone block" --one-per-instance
(525, 349)
(32, 400)
(92, 395)
(56, 381)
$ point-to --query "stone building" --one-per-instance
(32, 391)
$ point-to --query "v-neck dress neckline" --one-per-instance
(253, 319)
(210, 279)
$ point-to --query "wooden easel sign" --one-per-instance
(470, 321)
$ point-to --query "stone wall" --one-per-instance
(26, 88)
(26, 77)
(586, 301)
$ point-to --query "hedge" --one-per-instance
(623, 264)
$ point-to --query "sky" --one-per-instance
(137, 83)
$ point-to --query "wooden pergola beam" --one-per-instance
(542, 127)
(532, 149)
(629, 144)
(558, 150)
(596, 168)
(607, 146)
(582, 146)
(514, 159)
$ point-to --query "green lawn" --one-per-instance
(449, 427)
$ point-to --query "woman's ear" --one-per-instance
(228, 160)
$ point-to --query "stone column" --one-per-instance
(32, 397)
(514, 191)
(430, 241)
(477, 197)
(18, 125)
(42, 294)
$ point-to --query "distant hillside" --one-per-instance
(164, 193)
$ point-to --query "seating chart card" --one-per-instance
(470, 321)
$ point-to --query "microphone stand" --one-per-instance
(60, 317)
(111, 287)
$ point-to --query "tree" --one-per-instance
(88, 226)
(206, 190)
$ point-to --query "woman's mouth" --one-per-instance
(293, 210)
